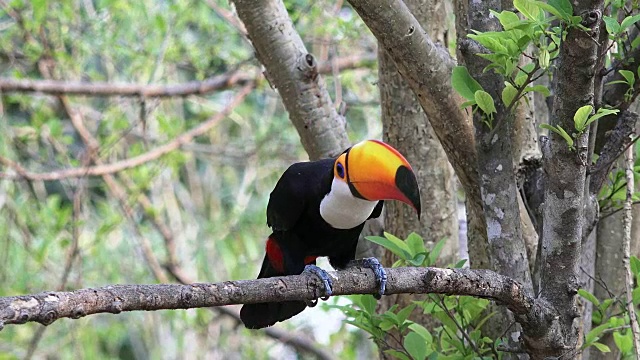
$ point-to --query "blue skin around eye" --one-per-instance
(340, 170)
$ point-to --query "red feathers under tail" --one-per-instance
(256, 316)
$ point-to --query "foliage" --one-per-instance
(461, 318)
(211, 193)
(613, 194)
(610, 316)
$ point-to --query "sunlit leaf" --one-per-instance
(464, 83)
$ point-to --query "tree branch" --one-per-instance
(618, 140)
(216, 83)
(292, 70)
(47, 307)
(151, 155)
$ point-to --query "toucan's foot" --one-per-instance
(381, 275)
(326, 281)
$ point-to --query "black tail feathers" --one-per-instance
(257, 316)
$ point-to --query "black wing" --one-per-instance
(300, 184)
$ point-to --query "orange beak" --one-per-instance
(377, 171)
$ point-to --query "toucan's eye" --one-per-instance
(340, 170)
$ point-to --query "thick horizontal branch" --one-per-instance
(47, 307)
(216, 83)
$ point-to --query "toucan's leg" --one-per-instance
(373, 264)
(326, 281)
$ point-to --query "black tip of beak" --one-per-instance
(407, 184)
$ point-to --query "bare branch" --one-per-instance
(619, 139)
(46, 307)
(216, 83)
(154, 154)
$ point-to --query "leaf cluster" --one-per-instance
(461, 318)
(610, 316)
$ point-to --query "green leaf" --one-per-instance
(464, 83)
(602, 347)
(415, 244)
(508, 94)
(467, 104)
(418, 260)
(386, 325)
(435, 252)
(623, 342)
(422, 331)
(401, 251)
(416, 346)
(613, 27)
(628, 21)
(544, 58)
(460, 264)
(507, 19)
(635, 295)
(564, 7)
(635, 265)
(589, 297)
(404, 313)
(366, 302)
(581, 116)
(397, 354)
(629, 76)
(592, 336)
(560, 131)
(493, 41)
(528, 8)
(485, 102)
(552, 10)
(538, 88)
(601, 113)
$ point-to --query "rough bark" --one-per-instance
(498, 185)
(427, 70)
(566, 175)
(495, 160)
(46, 307)
(293, 71)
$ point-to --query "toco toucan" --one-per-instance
(318, 208)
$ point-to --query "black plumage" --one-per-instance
(301, 234)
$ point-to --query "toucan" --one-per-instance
(318, 208)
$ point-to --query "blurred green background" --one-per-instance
(211, 194)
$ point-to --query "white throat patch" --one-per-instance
(342, 210)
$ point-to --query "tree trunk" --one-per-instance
(293, 71)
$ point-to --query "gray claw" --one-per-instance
(378, 270)
(324, 277)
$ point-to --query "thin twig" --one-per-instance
(118, 166)
(617, 210)
(626, 249)
(215, 83)
(460, 328)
